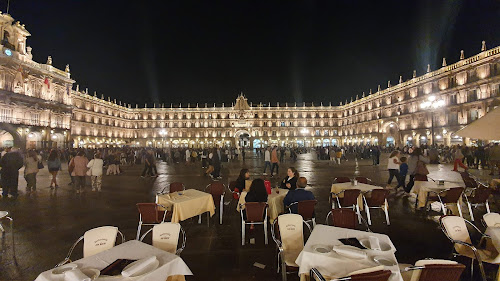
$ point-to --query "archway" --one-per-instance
(16, 138)
(34, 140)
(242, 138)
(6, 139)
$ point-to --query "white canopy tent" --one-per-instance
(485, 128)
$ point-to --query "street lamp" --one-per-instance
(432, 104)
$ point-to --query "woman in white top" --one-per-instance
(95, 165)
(393, 167)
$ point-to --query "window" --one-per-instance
(316, 133)
(283, 124)
(326, 133)
(5, 114)
(473, 115)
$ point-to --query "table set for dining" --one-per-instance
(152, 264)
(274, 202)
(363, 187)
(334, 259)
(187, 204)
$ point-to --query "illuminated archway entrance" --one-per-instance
(242, 138)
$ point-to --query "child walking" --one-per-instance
(403, 171)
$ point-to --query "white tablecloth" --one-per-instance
(336, 266)
(422, 188)
(274, 200)
(338, 187)
(170, 264)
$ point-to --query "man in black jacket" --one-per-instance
(11, 162)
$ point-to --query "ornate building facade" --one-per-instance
(39, 108)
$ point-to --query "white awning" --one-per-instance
(485, 128)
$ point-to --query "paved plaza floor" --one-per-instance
(48, 222)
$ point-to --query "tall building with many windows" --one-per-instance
(39, 108)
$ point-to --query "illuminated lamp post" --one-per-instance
(432, 104)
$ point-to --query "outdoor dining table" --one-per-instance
(187, 204)
(333, 265)
(338, 187)
(171, 267)
(274, 201)
(422, 189)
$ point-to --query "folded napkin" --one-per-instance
(349, 251)
(374, 243)
(138, 266)
(75, 275)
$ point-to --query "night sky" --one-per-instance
(272, 51)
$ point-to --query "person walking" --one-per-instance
(148, 163)
(79, 170)
(393, 167)
(267, 161)
(54, 166)
(11, 162)
(216, 163)
(415, 157)
(458, 155)
(96, 165)
(494, 153)
(30, 170)
(274, 161)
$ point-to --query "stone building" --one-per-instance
(39, 108)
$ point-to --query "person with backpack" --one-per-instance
(416, 166)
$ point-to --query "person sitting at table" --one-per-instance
(257, 193)
(242, 178)
(297, 195)
(290, 181)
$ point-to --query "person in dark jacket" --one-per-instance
(216, 163)
(290, 181)
(11, 162)
(258, 192)
(297, 195)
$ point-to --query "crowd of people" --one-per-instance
(94, 163)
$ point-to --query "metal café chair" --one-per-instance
(349, 200)
(491, 220)
(150, 214)
(217, 190)
(364, 180)
(345, 218)
(455, 228)
(96, 240)
(253, 213)
(478, 196)
(341, 180)
(431, 270)
(304, 208)
(376, 200)
(166, 237)
(4, 215)
(445, 197)
(289, 241)
(176, 187)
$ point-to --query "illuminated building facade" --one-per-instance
(39, 108)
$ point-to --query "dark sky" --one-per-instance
(286, 51)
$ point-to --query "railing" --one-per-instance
(30, 122)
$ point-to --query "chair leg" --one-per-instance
(488, 210)
(283, 270)
(12, 234)
(242, 233)
(443, 208)
(368, 217)
(481, 269)
(1, 228)
(459, 208)
(278, 263)
(221, 211)
(138, 231)
(359, 214)
(470, 211)
(471, 269)
(208, 219)
(386, 211)
(199, 219)
(314, 222)
(265, 231)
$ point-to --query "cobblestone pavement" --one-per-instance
(48, 222)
